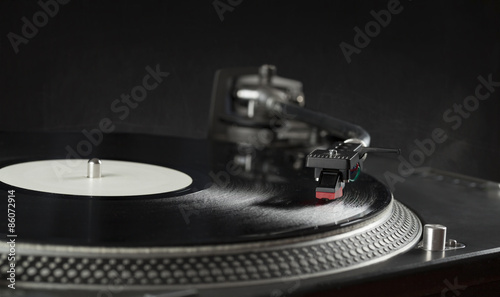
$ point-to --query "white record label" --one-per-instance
(119, 178)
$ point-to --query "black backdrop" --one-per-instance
(425, 60)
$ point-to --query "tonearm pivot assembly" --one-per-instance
(249, 101)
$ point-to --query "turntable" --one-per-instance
(279, 201)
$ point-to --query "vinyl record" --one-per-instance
(215, 208)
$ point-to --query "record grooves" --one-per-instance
(203, 213)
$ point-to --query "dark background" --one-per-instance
(398, 87)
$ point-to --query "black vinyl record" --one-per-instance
(224, 204)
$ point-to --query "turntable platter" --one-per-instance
(210, 233)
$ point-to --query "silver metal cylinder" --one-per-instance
(94, 168)
(434, 237)
(266, 73)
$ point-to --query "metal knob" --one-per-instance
(94, 168)
(434, 237)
